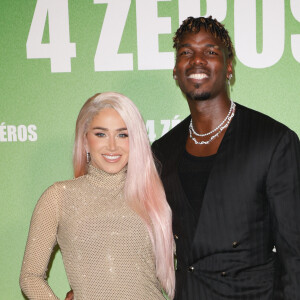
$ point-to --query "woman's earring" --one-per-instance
(174, 77)
(88, 157)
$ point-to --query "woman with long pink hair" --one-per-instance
(112, 221)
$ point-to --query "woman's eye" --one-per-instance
(123, 135)
(100, 134)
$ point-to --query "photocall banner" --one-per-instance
(55, 54)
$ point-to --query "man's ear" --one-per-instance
(229, 67)
(174, 73)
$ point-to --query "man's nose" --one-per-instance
(198, 59)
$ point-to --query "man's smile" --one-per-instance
(198, 76)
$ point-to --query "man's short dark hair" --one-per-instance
(211, 25)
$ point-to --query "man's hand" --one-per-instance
(70, 295)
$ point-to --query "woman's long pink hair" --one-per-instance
(143, 187)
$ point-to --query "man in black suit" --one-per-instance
(232, 179)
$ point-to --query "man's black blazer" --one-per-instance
(251, 204)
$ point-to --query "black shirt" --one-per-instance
(193, 173)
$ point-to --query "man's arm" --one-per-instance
(283, 191)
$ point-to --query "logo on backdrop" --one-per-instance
(18, 133)
(149, 26)
(164, 126)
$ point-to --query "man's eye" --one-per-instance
(184, 53)
(212, 52)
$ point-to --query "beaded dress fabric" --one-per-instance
(106, 248)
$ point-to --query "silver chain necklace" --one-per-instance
(214, 130)
(221, 127)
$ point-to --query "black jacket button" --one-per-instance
(191, 269)
(235, 244)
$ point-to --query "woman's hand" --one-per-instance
(70, 295)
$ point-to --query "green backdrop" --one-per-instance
(55, 54)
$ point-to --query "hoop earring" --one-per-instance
(88, 157)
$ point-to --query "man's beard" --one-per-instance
(202, 96)
(198, 96)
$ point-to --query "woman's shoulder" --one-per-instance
(59, 192)
(68, 185)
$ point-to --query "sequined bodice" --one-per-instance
(105, 246)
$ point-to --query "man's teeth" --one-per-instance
(198, 76)
(111, 156)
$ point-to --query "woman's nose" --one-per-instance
(112, 144)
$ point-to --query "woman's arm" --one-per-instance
(70, 295)
(40, 243)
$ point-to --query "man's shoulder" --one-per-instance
(262, 129)
(259, 120)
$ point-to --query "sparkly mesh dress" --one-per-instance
(106, 248)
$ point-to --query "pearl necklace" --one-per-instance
(220, 127)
